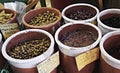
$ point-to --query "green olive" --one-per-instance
(43, 19)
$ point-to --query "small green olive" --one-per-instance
(43, 19)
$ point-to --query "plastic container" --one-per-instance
(109, 63)
(27, 65)
(69, 53)
(106, 14)
(80, 6)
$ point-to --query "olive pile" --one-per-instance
(5, 17)
(30, 49)
(115, 51)
(81, 14)
(43, 19)
(78, 38)
(112, 21)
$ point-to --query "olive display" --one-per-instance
(5, 17)
(43, 19)
(112, 21)
(115, 51)
(78, 38)
(81, 14)
(29, 49)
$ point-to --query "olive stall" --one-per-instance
(59, 36)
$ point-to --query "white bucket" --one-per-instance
(104, 28)
(113, 64)
(27, 34)
(74, 51)
(80, 6)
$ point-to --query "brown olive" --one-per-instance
(29, 49)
